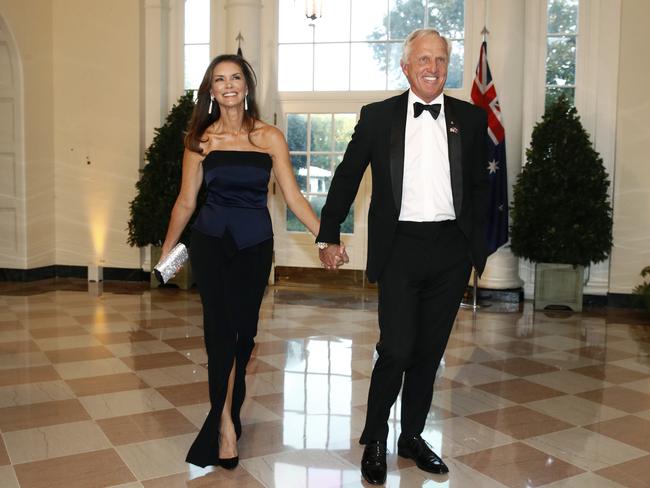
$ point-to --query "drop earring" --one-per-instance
(246, 102)
(211, 101)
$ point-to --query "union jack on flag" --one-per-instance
(484, 94)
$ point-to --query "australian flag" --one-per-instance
(484, 94)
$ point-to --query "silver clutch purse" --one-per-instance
(168, 267)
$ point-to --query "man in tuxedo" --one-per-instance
(426, 228)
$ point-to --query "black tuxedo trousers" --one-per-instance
(420, 289)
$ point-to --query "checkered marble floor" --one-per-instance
(105, 386)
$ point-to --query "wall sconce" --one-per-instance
(313, 9)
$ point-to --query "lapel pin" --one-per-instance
(453, 129)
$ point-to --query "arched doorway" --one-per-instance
(12, 164)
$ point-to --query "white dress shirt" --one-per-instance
(426, 187)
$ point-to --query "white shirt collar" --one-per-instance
(414, 98)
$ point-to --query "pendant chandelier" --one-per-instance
(313, 9)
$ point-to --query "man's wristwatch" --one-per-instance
(322, 245)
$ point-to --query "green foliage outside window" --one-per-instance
(316, 145)
(446, 16)
(562, 29)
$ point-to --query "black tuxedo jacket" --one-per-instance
(378, 140)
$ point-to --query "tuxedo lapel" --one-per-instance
(455, 154)
(397, 134)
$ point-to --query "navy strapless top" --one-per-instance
(237, 185)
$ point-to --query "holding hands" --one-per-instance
(333, 255)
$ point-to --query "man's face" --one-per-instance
(426, 66)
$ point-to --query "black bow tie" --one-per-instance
(434, 109)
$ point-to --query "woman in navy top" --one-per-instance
(233, 152)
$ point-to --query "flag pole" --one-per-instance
(474, 305)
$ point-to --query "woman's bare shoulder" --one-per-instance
(267, 136)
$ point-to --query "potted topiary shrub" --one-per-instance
(561, 212)
(643, 290)
(158, 187)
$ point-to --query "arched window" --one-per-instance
(356, 44)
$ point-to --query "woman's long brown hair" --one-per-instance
(201, 119)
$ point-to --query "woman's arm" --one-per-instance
(284, 175)
(186, 200)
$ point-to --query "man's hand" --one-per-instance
(333, 256)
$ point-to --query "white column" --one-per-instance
(244, 16)
(504, 20)
(155, 72)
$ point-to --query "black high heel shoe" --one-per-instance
(229, 463)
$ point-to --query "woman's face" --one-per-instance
(228, 84)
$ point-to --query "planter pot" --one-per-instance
(558, 286)
(183, 278)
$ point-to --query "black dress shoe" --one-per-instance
(229, 463)
(373, 463)
(416, 448)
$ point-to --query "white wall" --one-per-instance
(632, 175)
(97, 124)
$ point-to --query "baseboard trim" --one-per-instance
(68, 271)
(625, 300)
(285, 275)
(510, 295)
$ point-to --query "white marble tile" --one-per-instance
(138, 347)
(298, 468)
(157, 458)
(252, 412)
(575, 410)
(630, 346)
(458, 436)
(197, 356)
(124, 403)
(468, 401)
(15, 335)
(360, 392)
(195, 413)
(123, 326)
(645, 414)
(174, 375)
(564, 360)
(585, 480)
(265, 383)
(67, 342)
(195, 320)
(54, 441)
(176, 332)
(475, 374)
(586, 449)
(557, 342)
(8, 477)
(149, 315)
(568, 381)
(276, 360)
(23, 360)
(640, 364)
(96, 367)
(30, 393)
(42, 322)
